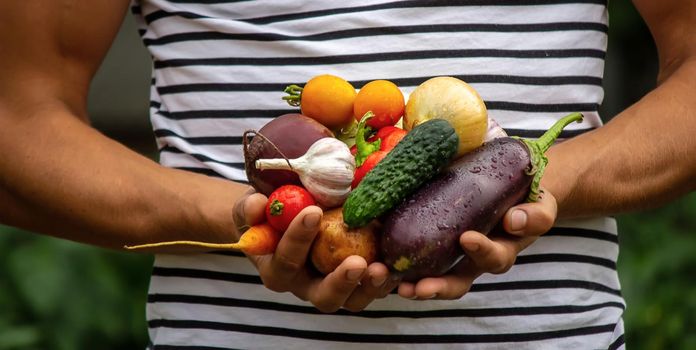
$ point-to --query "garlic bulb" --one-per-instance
(326, 170)
(494, 130)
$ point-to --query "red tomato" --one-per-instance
(389, 141)
(285, 203)
(366, 166)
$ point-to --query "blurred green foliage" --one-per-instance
(656, 264)
(61, 295)
(658, 247)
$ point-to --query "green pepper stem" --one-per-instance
(538, 147)
(362, 147)
(294, 95)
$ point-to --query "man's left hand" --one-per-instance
(495, 253)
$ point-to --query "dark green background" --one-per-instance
(61, 295)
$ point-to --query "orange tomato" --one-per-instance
(328, 99)
(384, 99)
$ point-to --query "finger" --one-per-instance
(333, 291)
(249, 210)
(389, 288)
(483, 254)
(532, 219)
(487, 255)
(392, 283)
(450, 286)
(407, 290)
(290, 255)
(371, 287)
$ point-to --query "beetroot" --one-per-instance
(292, 134)
(421, 236)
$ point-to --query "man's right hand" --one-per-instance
(353, 285)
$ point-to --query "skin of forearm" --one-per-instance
(61, 177)
(642, 158)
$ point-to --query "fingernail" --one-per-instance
(378, 282)
(414, 297)
(518, 220)
(354, 274)
(472, 247)
(432, 296)
(311, 220)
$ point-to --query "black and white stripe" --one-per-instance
(220, 68)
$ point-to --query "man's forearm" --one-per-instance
(642, 158)
(61, 177)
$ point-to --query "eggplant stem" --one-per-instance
(550, 136)
(538, 147)
(294, 95)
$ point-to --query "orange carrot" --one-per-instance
(257, 240)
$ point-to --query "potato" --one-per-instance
(335, 242)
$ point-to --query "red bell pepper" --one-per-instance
(368, 153)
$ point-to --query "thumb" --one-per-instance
(532, 219)
(249, 210)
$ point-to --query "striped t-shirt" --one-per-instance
(220, 68)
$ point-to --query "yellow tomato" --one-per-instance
(328, 99)
(384, 99)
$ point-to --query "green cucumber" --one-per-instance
(418, 157)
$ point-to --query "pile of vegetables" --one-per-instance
(398, 180)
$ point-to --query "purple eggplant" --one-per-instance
(421, 236)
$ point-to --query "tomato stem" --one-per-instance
(276, 208)
(294, 95)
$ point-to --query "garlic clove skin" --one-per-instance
(328, 185)
(329, 168)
